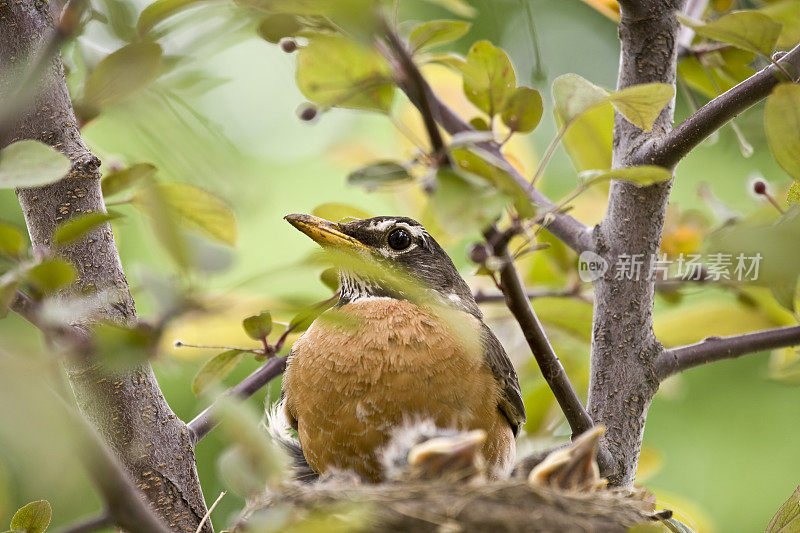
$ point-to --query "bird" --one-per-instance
(406, 341)
(423, 451)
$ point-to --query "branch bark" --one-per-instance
(127, 408)
(668, 150)
(624, 347)
(713, 349)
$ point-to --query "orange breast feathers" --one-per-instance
(382, 362)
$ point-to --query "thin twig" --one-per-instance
(713, 349)
(210, 510)
(207, 420)
(490, 297)
(667, 151)
(89, 524)
(410, 79)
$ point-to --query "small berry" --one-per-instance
(307, 112)
(760, 187)
(288, 45)
(478, 254)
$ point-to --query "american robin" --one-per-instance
(405, 342)
(423, 451)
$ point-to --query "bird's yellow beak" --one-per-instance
(463, 444)
(324, 232)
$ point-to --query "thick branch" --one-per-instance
(667, 151)
(573, 233)
(126, 407)
(624, 348)
(206, 421)
(717, 348)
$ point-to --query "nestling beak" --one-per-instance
(457, 449)
(324, 232)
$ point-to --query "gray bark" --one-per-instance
(624, 347)
(127, 407)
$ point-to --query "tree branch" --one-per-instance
(482, 296)
(126, 407)
(667, 151)
(713, 349)
(622, 381)
(89, 524)
(573, 233)
(206, 421)
(520, 306)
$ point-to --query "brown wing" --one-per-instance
(511, 400)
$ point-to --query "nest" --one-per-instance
(497, 506)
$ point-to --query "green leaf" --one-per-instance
(489, 78)
(194, 208)
(777, 245)
(275, 27)
(336, 212)
(574, 95)
(76, 227)
(261, 461)
(588, 140)
(377, 174)
(480, 124)
(120, 347)
(459, 7)
(122, 73)
(787, 519)
(32, 518)
(782, 125)
(793, 196)
(330, 278)
(748, 30)
(120, 180)
(8, 290)
(12, 241)
(485, 165)
(215, 370)
(641, 104)
(51, 275)
(258, 326)
(436, 32)
(523, 110)
(448, 59)
(641, 175)
(159, 11)
(31, 164)
(462, 202)
(303, 319)
(787, 13)
(339, 72)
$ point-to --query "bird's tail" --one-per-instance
(280, 431)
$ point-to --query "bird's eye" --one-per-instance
(399, 239)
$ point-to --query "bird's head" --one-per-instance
(392, 256)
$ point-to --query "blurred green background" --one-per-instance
(721, 442)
